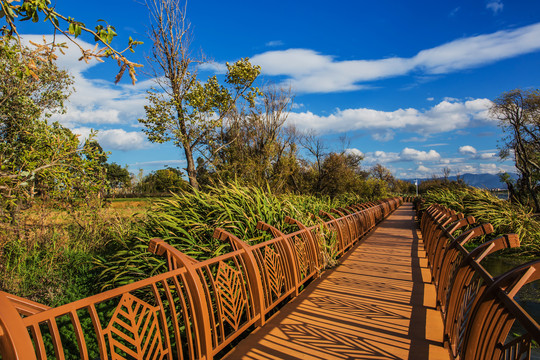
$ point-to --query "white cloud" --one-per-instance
(407, 154)
(310, 71)
(489, 168)
(161, 163)
(487, 156)
(101, 102)
(355, 152)
(95, 101)
(430, 99)
(443, 117)
(119, 139)
(474, 154)
(116, 139)
(440, 144)
(467, 150)
(495, 6)
(423, 169)
(213, 66)
(417, 155)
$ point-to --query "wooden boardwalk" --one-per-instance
(377, 304)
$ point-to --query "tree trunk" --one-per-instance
(191, 169)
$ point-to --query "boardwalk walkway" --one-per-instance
(377, 304)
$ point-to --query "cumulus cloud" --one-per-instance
(467, 150)
(417, 155)
(311, 72)
(100, 102)
(355, 152)
(407, 154)
(487, 156)
(443, 117)
(474, 154)
(116, 139)
(410, 163)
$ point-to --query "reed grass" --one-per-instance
(504, 216)
(188, 220)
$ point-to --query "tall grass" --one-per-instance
(486, 208)
(187, 221)
(54, 257)
(47, 257)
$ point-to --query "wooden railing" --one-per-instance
(478, 309)
(193, 311)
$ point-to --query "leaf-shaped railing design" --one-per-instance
(233, 301)
(134, 331)
(275, 275)
(302, 257)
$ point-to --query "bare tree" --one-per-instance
(446, 173)
(255, 143)
(380, 172)
(318, 149)
(182, 109)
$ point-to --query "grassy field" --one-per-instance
(49, 255)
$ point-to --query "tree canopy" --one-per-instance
(518, 112)
(38, 157)
(103, 34)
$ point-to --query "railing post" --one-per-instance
(15, 342)
(343, 219)
(195, 288)
(454, 301)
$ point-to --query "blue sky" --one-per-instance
(409, 83)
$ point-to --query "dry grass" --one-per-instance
(46, 215)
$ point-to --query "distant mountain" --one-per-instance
(488, 181)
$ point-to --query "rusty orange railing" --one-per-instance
(193, 311)
(478, 310)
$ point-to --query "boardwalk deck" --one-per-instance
(377, 304)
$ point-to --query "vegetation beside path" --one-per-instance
(53, 256)
(506, 217)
